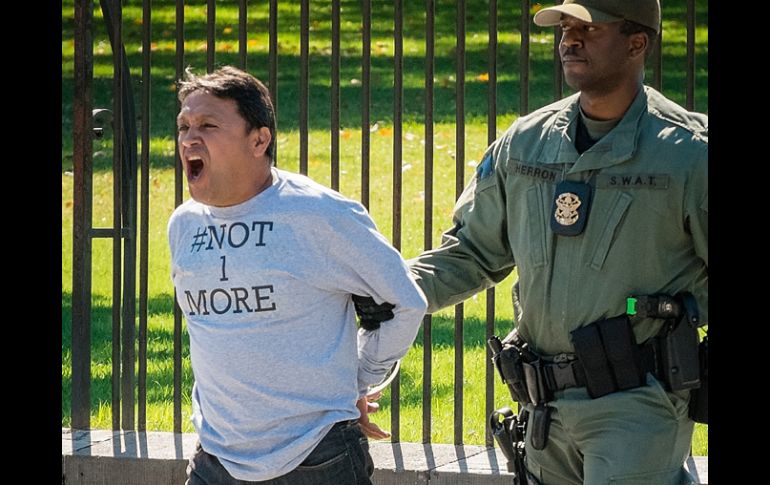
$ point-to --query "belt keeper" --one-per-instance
(562, 376)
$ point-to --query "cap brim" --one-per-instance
(552, 15)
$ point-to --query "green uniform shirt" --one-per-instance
(646, 232)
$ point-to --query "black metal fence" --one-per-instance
(129, 231)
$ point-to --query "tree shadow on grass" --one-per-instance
(160, 351)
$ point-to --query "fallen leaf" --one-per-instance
(484, 76)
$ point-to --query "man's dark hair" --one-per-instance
(248, 92)
(629, 27)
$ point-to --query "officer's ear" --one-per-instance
(638, 44)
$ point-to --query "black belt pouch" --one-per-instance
(622, 351)
(590, 352)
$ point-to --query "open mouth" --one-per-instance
(194, 168)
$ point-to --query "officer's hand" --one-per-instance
(370, 313)
(371, 430)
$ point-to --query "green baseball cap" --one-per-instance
(644, 12)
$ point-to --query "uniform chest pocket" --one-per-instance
(617, 209)
(536, 221)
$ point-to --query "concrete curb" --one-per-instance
(106, 457)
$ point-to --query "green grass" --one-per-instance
(161, 144)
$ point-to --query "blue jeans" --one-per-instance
(341, 458)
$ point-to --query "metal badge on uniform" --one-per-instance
(570, 208)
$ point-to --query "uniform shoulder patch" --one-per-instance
(486, 167)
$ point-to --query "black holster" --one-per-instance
(678, 345)
(522, 371)
(509, 360)
(699, 398)
(509, 434)
(683, 362)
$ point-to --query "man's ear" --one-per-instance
(260, 139)
(638, 44)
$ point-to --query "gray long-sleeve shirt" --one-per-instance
(265, 287)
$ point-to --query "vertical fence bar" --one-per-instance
(366, 74)
(558, 75)
(128, 209)
(458, 377)
(117, 177)
(657, 63)
(178, 175)
(145, 218)
(273, 76)
(459, 185)
(211, 14)
(427, 322)
(690, 96)
(489, 370)
(492, 71)
(335, 96)
(524, 60)
(398, 108)
(124, 222)
(242, 34)
(304, 23)
(82, 159)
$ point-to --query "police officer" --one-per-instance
(594, 198)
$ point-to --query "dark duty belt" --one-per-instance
(545, 376)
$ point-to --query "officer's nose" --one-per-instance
(570, 38)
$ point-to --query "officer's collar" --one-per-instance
(617, 146)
